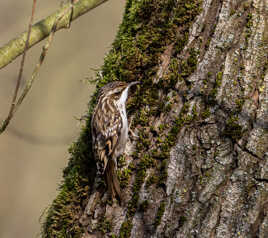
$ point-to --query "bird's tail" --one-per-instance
(112, 181)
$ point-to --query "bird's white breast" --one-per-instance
(121, 105)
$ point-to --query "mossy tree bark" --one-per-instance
(199, 167)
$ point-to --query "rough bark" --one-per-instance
(199, 167)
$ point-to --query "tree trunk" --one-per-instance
(199, 167)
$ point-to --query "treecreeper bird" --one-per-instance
(109, 128)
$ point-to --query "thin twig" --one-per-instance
(30, 82)
(12, 107)
(72, 2)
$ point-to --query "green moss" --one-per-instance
(162, 127)
(124, 177)
(62, 217)
(125, 229)
(219, 78)
(206, 113)
(59, 214)
(239, 103)
(151, 180)
(131, 166)
(249, 24)
(104, 226)
(188, 66)
(121, 162)
(143, 118)
(232, 12)
(233, 129)
(249, 21)
(159, 214)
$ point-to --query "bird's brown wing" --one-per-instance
(106, 125)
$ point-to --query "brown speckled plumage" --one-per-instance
(109, 131)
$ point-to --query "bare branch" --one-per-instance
(42, 56)
(12, 107)
(42, 29)
(15, 105)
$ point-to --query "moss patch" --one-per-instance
(104, 226)
(249, 24)
(151, 180)
(125, 229)
(62, 216)
(233, 129)
(124, 177)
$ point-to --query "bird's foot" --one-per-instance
(131, 131)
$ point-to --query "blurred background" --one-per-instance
(34, 149)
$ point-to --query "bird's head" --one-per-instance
(116, 88)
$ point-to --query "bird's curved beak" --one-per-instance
(133, 83)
